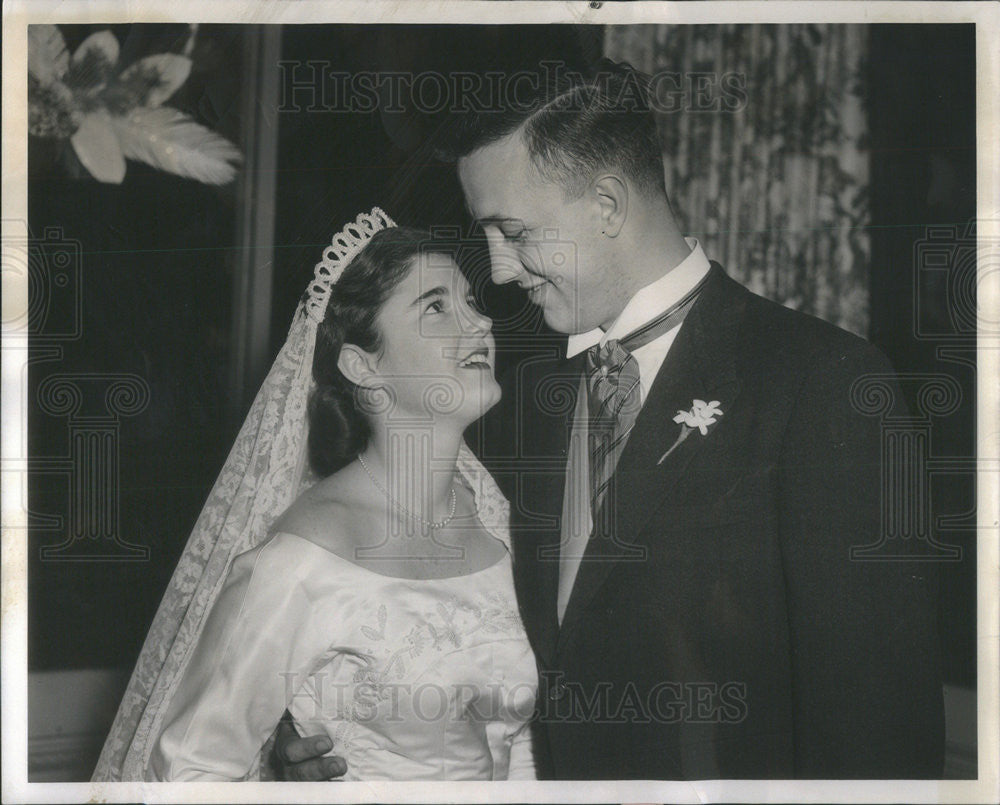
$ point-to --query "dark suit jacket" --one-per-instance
(718, 627)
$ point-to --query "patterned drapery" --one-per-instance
(764, 134)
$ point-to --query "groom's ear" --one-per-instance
(611, 193)
(358, 366)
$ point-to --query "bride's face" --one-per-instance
(438, 354)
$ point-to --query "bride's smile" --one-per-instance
(437, 354)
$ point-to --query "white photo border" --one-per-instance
(17, 14)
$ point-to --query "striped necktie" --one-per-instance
(614, 396)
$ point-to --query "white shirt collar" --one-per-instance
(648, 300)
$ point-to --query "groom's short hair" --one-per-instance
(573, 125)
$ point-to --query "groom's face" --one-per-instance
(550, 244)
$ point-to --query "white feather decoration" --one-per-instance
(169, 140)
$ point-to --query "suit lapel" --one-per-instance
(701, 364)
(544, 426)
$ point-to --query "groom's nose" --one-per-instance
(505, 263)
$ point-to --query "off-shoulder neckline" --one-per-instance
(504, 558)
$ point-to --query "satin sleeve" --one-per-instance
(258, 646)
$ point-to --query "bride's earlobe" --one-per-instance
(358, 366)
(373, 395)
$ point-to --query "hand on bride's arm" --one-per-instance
(296, 759)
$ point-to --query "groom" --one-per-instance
(686, 485)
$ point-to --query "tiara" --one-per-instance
(337, 256)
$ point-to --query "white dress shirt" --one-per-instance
(647, 303)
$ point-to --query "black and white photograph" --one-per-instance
(500, 401)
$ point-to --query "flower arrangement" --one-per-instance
(111, 114)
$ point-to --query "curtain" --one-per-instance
(765, 154)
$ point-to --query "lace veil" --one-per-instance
(266, 470)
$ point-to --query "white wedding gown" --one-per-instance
(411, 679)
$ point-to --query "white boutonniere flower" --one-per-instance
(700, 417)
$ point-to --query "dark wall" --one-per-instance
(153, 260)
(923, 200)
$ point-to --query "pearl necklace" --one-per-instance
(434, 526)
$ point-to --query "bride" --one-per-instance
(378, 607)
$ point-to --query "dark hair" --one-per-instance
(573, 126)
(338, 429)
